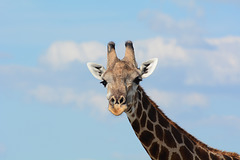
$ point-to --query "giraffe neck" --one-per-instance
(164, 139)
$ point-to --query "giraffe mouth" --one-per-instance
(117, 109)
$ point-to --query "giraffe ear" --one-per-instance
(97, 70)
(148, 67)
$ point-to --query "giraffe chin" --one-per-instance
(117, 109)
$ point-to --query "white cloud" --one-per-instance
(166, 24)
(191, 5)
(194, 99)
(60, 54)
(66, 96)
(168, 52)
(220, 65)
(19, 76)
(186, 29)
(175, 100)
(61, 95)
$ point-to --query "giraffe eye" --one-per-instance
(137, 80)
(104, 83)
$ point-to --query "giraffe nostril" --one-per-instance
(121, 100)
(112, 100)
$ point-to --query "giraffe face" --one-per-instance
(121, 82)
(121, 78)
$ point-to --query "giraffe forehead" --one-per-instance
(122, 70)
(122, 65)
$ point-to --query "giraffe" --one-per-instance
(161, 137)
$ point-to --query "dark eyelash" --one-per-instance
(137, 80)
(104, 83)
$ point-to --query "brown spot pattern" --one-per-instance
(175, 156)
(188, 143)
(227, 158)
(202, 154)
(185, 153)
(139, 95)
(177, 135)
(150, 125)
(214, 157)
(143, 119)
(139, 110)
(146, 138)
(159, 132)
(164, 153)
(145, 102)
(196, 158)
(162, 121)
(154, 150)
(152, 114)
(169, 140)
(136, 126)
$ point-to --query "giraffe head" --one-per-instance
(121, 77)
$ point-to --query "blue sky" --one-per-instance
(52, 108)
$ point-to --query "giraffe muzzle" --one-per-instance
(117, 107)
